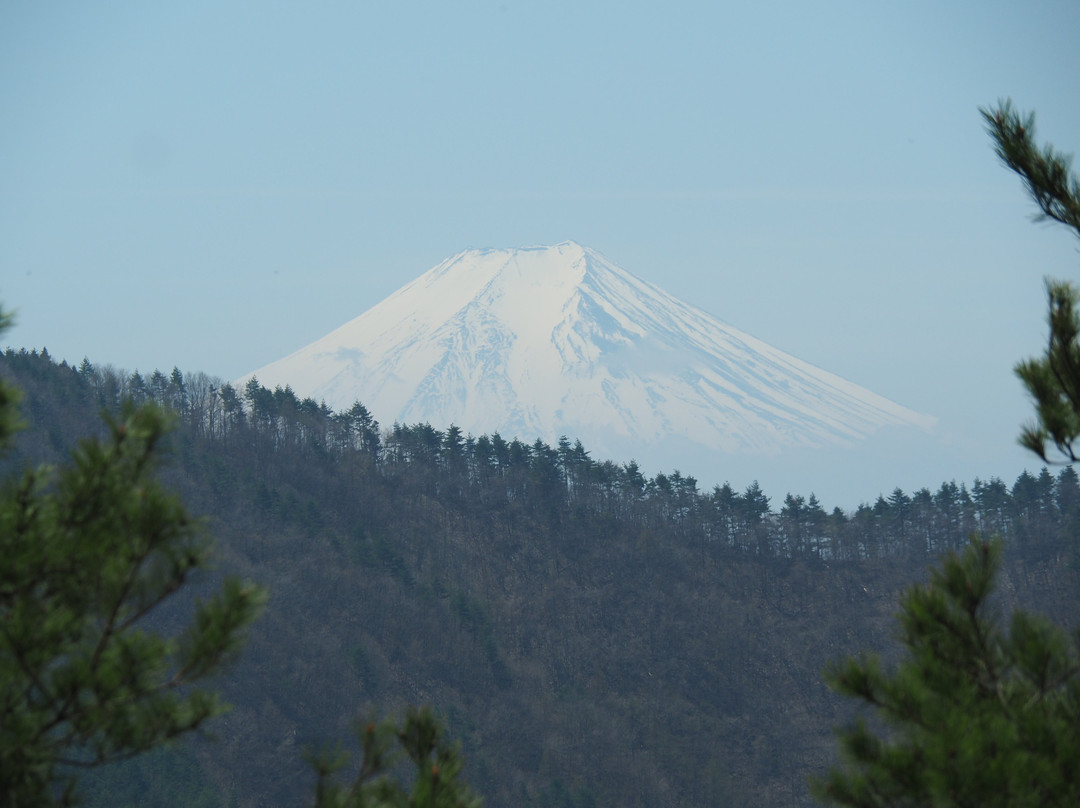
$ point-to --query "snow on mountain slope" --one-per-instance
(551, 341)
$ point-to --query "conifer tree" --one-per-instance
(436, 765)
(1052, 380)
(88, 553)
(976, 714)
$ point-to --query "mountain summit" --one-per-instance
(551, 341)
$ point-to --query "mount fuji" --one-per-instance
(557, 340)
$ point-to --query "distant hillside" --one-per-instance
(592, 637)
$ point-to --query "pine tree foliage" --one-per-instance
(974, 714)
(1052, 380)
(89, 552)
(437, 768)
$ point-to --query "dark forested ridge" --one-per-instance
(592, 636)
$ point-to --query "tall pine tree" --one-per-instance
(88, 553)
(977, 713)
(1053, 379)
(974, 715)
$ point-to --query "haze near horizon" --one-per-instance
(557, 342)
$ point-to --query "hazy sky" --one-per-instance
(214, 185)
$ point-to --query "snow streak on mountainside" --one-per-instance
(552, 341)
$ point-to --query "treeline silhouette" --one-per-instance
(487, 472)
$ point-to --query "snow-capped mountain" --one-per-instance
(551, 341)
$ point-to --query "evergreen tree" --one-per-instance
(89, 553)
(436, 766)
(1053, 380)
(974, 715)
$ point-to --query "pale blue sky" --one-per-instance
(214, 185)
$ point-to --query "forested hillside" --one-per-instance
(591, 635)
